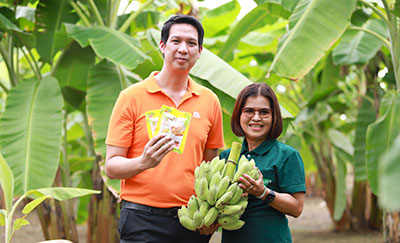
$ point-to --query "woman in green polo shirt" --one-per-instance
(280, 189)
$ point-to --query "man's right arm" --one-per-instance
(118, 166)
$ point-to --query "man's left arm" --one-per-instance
(209, 154)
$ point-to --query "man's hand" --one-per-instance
(156, 149)
(209, 230)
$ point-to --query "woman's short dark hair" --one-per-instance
(254, 90)
(182, 19)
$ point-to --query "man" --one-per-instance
(155, 181)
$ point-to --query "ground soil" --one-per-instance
(314, 225)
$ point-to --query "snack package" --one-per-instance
(176, 123)
(152, 118)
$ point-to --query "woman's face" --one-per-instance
(256, 119)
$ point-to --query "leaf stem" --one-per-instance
(7, 61)
(383, 39)
(78, 10)
(96, 12)
(376, 10)
(133, 15)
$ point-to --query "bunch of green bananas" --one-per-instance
(218, 195)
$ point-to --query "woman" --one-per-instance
(281, 187)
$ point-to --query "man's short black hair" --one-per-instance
(182, 19)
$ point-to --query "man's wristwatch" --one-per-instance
(270, 197)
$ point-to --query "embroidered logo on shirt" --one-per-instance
(196, 114)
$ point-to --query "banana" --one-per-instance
(212, 194)
(187, 223)
(197, 219)
(224, 200)
(233, 187)
(196, 186)
(222, 186)
(228, 219)
(219, 166)
(201, 170)
(242, 160)
(236, 196)
(245, 167)
(203, 188)
(207, 171)
(215, 179)
(234, 225)
(211, 216)
(253, 173)
(192, 206)
(197, 172)
(199, 201)
(183, 211)
(231, 209)
(204, 207)
(214, 161)
(243, 202)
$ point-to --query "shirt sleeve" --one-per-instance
(291, 174)
(215, 136)
(120, 128)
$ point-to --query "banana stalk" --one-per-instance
(232, 160)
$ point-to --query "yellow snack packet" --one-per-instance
(152, 118)
(176, 123)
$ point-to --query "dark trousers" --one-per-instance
(139, 223)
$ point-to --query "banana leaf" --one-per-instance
(30, 138)
(358, 47)
(340, 181)
(366, 115)
(104, 41)
(224, 15)
(318, 28)
(380, 135)
(50, 15)
(389, 174)
(256, 18)
(6, 183)
(61, 193)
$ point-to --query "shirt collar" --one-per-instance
(263, 148)
(153, 87)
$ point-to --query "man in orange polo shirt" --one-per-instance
(155, 181)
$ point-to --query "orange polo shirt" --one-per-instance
(171, 183)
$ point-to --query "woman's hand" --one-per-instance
(251, 186)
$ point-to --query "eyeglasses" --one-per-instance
(251, 112)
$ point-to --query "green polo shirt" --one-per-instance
(283, 167)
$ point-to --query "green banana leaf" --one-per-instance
(366, 115)
(389, 174)
(340, 189)
(61, 193)
(24, 38)
(224, 15)
(104, 41)
(50, 15)
(380, 135)
(73, 67)
(72, 71)
(358, 47)
(256, 18)
(104, 86)
(6, 183)
(30, 137)
(341, 141)
(320, 26)
(396, 10)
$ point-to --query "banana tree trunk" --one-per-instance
(57, 218)
(391, 227)
(103, 214)
(324, 163)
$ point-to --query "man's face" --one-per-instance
(182, 49)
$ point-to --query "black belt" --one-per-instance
(144, 208)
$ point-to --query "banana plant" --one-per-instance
(37, 195)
